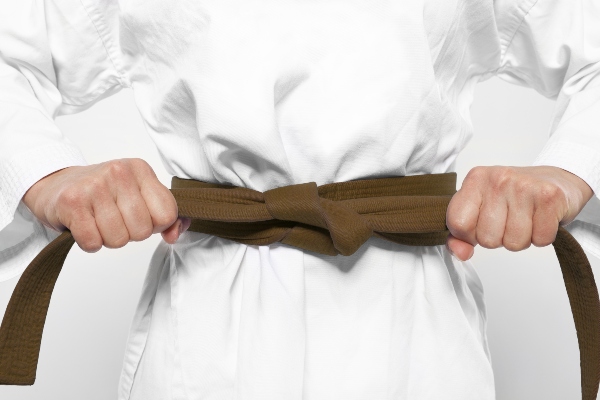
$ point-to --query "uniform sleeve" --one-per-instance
(56, 57)
(553, 46)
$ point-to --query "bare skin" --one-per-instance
(118, 201)
(108, 204)
(513, 207)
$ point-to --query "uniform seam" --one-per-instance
(79, 101)
(100, 26)
(514, 33)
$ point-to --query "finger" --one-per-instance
(186, 223)
(546, 221)
(162, 206)
(462, 214)
(519, 223)
(159, 200)
(492, 221)
(84, 230)
(171, 234)
(134, 211)
(109, 221)
(461, 250)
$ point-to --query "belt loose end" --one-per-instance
(23, 323)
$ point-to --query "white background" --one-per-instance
(530, 329)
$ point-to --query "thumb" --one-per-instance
(172, 233)
(461, 250)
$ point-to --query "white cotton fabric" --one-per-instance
(262, 94)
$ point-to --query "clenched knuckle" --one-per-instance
(139, 163)
(549, 193)
(502, 178)
(72, 197)
(522, 186)
(93, 185)
(476, 174)
(143, 169)
(118, 169)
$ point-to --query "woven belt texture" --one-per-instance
(332, 219)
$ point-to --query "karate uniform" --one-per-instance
(262, 94)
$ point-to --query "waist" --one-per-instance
(333, 219)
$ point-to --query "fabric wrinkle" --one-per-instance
(265, 94)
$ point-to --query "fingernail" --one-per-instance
(180, 227)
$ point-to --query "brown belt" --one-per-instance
(335, 218)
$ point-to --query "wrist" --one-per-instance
(33, 196)
(583, 190)
(577, 192)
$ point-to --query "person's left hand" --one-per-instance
(512, 207)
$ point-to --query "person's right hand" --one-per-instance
(107, 204)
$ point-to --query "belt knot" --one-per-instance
(301, 203)
(332, 219)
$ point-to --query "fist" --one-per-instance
(512, 207)
(107, 204)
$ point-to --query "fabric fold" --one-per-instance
(22, 326)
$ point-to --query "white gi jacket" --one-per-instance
(261, 94)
